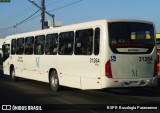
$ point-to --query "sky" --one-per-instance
(16, 11)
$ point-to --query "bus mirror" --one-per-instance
(3, 46)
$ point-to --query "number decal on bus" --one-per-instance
(145, 59)
(94, 60)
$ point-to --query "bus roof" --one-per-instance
(83, 25)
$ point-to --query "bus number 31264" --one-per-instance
(145, 59)
(94, 60)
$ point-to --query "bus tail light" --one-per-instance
(158, 59)
(155, 69)
(108, 72)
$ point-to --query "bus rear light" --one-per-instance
(155, 69)
(108, 72)
(116, 81)
(158, 59)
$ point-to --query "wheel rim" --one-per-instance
(13, 74)
(54, 81)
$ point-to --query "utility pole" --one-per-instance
(43, 14)
(43, 9)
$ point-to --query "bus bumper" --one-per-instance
(141, 82)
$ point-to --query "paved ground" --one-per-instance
(28, 92)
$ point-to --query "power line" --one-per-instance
(43, 9)
(29, 18)
(20, 14)
(19, 22)
(6, 28)
(26, 19)
(57, 9)
(66, 5)
(54, 2)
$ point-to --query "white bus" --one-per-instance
(90, 55)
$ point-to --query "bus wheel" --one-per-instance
(53, 80)
(13, 75)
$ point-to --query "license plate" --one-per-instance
(134, 83)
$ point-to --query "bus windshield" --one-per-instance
(131, 34)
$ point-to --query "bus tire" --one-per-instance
(54, 81)
(13, 75)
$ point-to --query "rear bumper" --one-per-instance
(108, 82)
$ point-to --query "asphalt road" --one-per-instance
(28, 92)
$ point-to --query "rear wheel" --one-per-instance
(54, 81)
(13, 75)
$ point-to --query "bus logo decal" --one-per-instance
(134, 73)
(37, 61)
(113, 58)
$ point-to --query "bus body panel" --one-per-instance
(29, 67)
(65, 71)
(132, 52)
(132, 66)
(84, 71)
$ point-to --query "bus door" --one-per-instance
(6, 55)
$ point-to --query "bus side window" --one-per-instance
(96, 41)
(51, 45)
(84, 42)
(77, 49)
(39, 45)
(13, 46)
(29, 41)
(20, 46)
(66, 40)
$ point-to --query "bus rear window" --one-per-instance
(131, 35)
